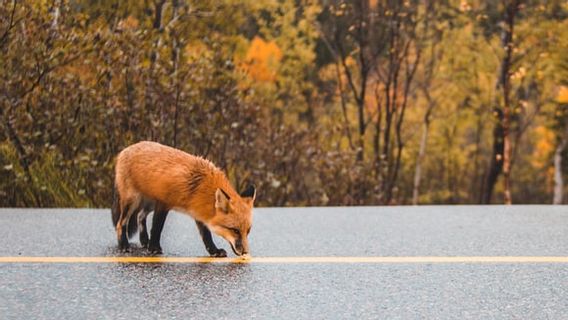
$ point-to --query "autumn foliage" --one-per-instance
(315, 102)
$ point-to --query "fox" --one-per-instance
(150, 177)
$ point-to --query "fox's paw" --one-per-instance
(144, 241)
(155, 249)
(220, 253)
(123, 247)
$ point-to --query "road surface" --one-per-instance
(432, 262)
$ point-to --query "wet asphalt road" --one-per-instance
(295, 290)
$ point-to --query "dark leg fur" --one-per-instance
(160, 214)
(208, 241)
(133, 223)
(123, 236)
(123, 242)
(143, 233)
(115, 211)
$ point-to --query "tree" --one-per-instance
(375, 47)
(561, 122)
(433, 38)
(337, 102)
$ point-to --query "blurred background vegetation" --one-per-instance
(325, 102)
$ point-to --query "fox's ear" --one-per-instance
(250, 192)
(222, 200)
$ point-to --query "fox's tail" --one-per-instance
(115, 209)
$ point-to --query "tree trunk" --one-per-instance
(56, 12)
(361, 148)
(558, 180)
(149, 95)
(377, 136)
(503, 164)
(496, 164)
(176, 47)
(344, 107)
(507, 42)
(421, 154)
(409, 75)
(362, 34)
(477, 180)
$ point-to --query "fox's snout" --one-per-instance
(239, 245)
(238, 248)
(237, 240)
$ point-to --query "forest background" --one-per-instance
(325, 102)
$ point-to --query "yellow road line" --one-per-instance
(292, 260)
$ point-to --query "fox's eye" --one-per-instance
(236, 231)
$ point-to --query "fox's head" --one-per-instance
(233, 218)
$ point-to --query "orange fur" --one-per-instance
(148, 172)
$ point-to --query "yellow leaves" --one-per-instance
(562, 96)
(262, 60)
(145, 63)
(196, 50)
(84, 71)
(519, 74)
(544, 146)
(328, 72)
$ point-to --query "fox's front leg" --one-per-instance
(160, 214)
(208, 241)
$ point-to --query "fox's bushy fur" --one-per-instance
(153, 177)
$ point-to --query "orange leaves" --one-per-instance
(262, 60)
(562, 96)
(130, 23)
(373, 4)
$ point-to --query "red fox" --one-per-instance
(150, 176)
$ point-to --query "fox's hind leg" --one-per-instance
(208, 241)
(128, 208)
(121, 231)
